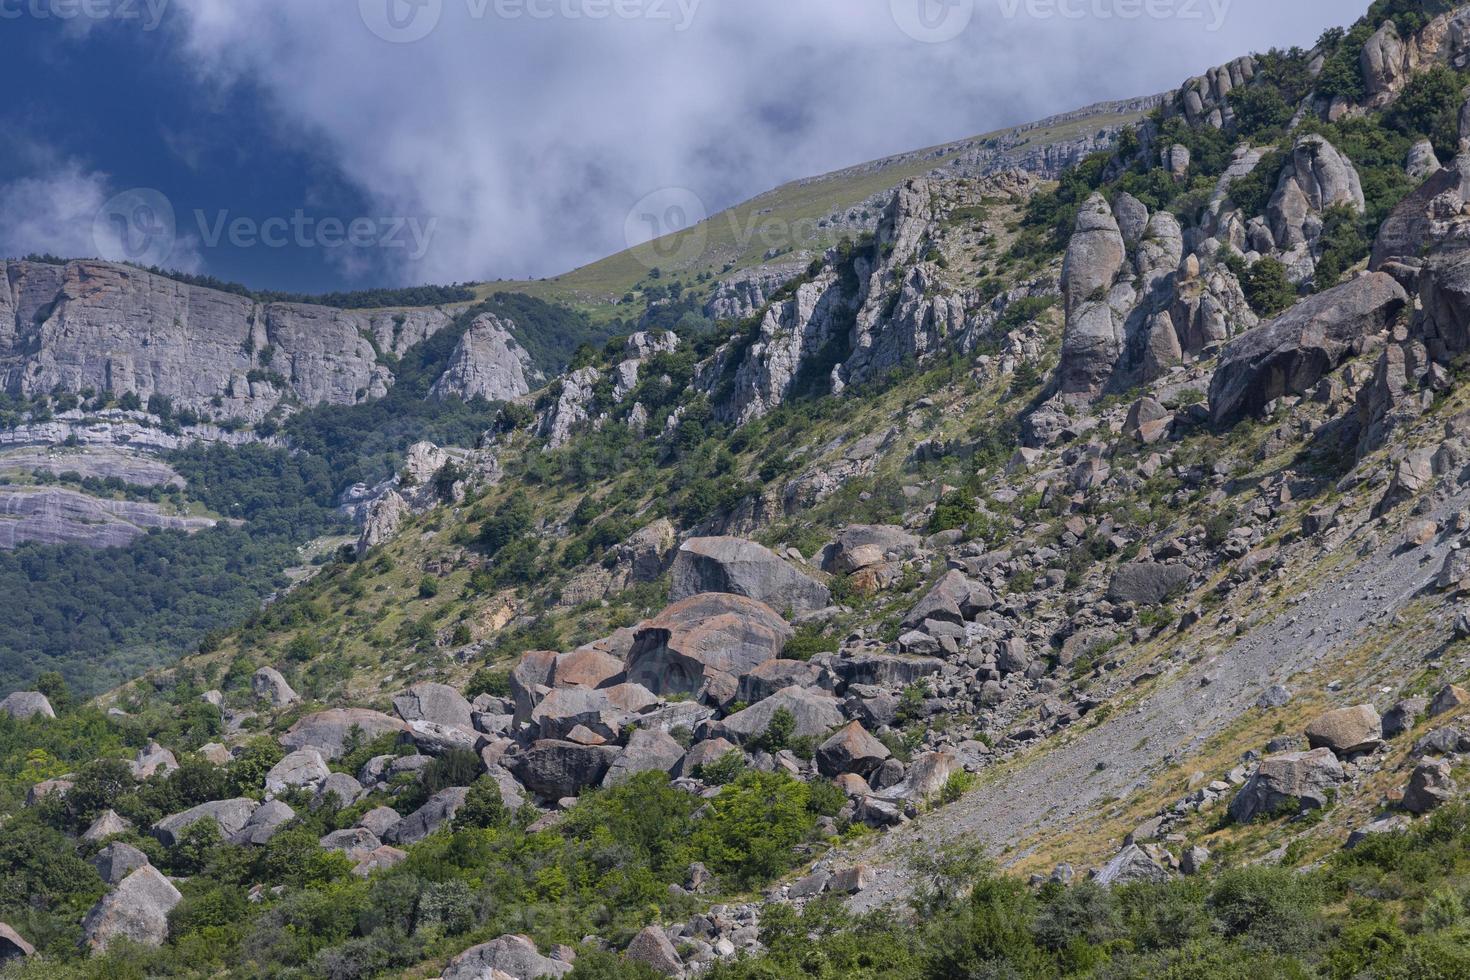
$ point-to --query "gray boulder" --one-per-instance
(439, 810)
(776, 675)
(652, 948)
(230, 815)
(1147, 583)
(137, 910)
(329, 731)
(26, 704)
(380, 821)
(554, 769)
(1316, 178)
(302, 769)
(1347, 731)
(1290, 354)
(744, 568)
(1403, 716)
(816, 713)
(269, 685)
(339, 787)
(438, 703)
(264, 823)
(864, 545)
(646, 751)
(116, 861)
(851, 750)
(108, 824)
(353, 839)
(1430, 786)
(1300, 779)
(513, 956)
(1132, 864)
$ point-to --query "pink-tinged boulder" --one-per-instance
(704, 644)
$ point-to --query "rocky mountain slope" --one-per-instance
(1110, 529)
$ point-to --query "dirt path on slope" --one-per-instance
(1063, 785)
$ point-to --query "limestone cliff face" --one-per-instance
(107, 327)
(488, 363)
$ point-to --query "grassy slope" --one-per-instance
(596, 287)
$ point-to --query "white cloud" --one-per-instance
(51, 213)
(529, 139)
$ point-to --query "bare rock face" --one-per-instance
(55, 515)
(1422, 161)
(703, 645)
(488, 364)
(743, 294)
(1301, 779)
(571, 408)
(1289, 355)
(1425, 217)
(264, 823)
(1386, 63)
(26, 704)
(741, 567)
(302, 769)
(137, 911)
(110, 327)
(865, 546)
(384, 517)
(512, 956)
(646, 751)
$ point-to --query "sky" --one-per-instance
(318, 145)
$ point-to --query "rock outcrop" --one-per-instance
(137, 910)
(52, 515)
(488, 364)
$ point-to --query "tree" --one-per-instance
(1267, 288)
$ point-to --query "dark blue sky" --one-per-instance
(122, 100)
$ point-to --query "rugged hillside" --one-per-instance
(1069, 572)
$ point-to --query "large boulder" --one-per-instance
(554, 770)
(439, 810)
(264, 824)
(230, 815)
(652, 948)
(512, 956)
(137, 910)
(1147, 583)
(775, 675)
(1301, 780)
(946, 602)
(268, 684)
(1131, 864)
(816, 713)
(744, 568)
(530, 680)
(646, 751)
(108, 824)
(851, 750)
(566, 708)
(26, 704)
(704, 644)
(586, 667)
(302, 769)
(1347, 730)
(438, 703)
(1429, 787)
(1290, 354)
(329, 731)
(116, 861)
(865, 545)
